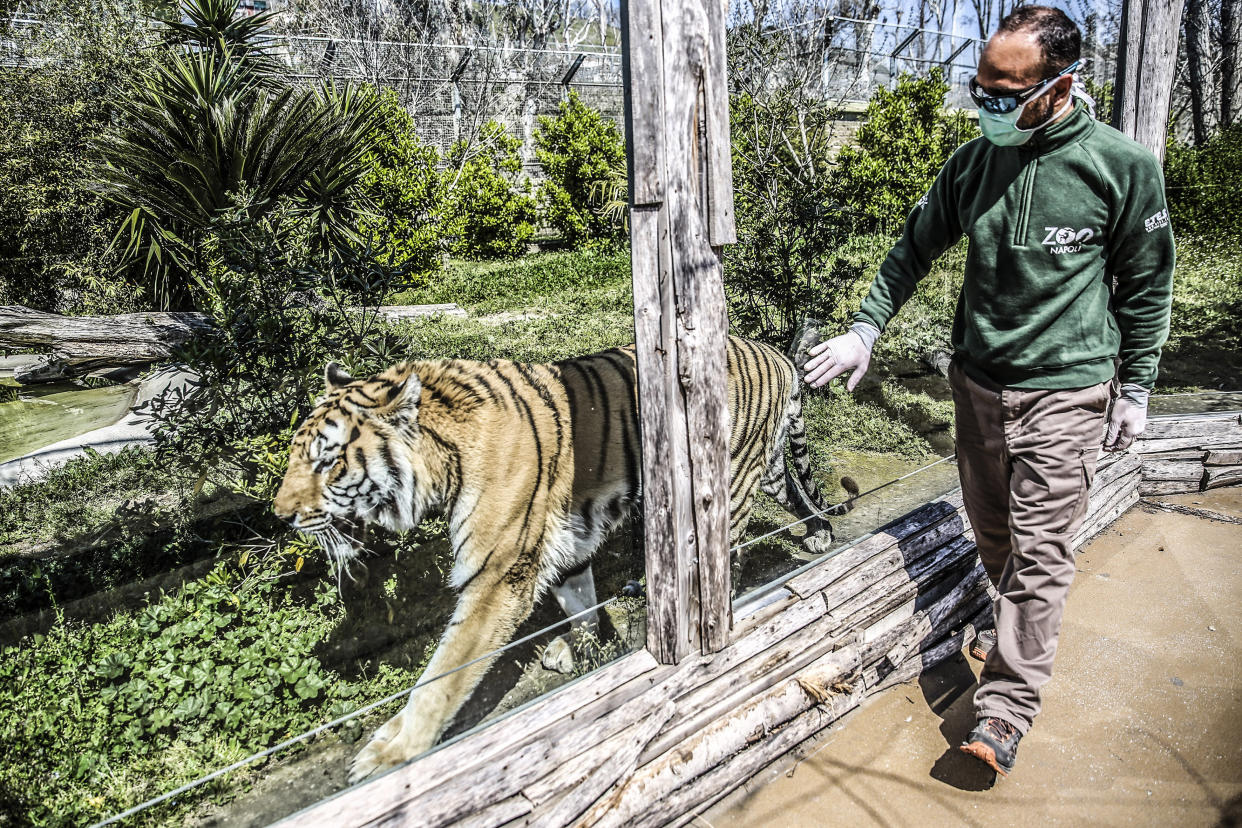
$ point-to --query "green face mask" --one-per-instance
(1002, 128)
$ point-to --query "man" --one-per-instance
(1068, 286)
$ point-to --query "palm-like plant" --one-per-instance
(206, 126)
(613, 194)
(214, 26)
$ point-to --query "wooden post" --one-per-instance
(681, 213)
(1146, 61)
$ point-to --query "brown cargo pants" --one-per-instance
(1026, 458)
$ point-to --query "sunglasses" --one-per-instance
(1001, 104)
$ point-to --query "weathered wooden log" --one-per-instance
(1150, 488)
(603, 690)
(709, 788)
(1190, 431)
(713, 698)
(77, 345)
(641, 800)
(1185, 471)
(1223, 457)
(1202, 514)
(841, 564)
(835, 667)
(900, 560)
(581, 782)
(74, 346)
(1216, 476)
(504, 812)
(400, 313)
(1116, 488)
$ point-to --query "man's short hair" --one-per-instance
(1058, 36)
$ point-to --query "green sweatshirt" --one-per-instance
(1051, 225)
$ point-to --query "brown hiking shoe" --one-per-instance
(994, 742)
(984, 641)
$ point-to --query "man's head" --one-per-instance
(1032, 44)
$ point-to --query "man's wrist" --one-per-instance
(867, 332)
(1135, 393)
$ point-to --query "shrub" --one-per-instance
(54, 228)
(401, 183)
(1102, 93)
(489, 214)
(204, 125)
(578, 149)
(191, 681)
(785, 264)
(905, 141)
(280, 311)
(1202, 184)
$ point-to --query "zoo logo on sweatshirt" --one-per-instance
(1157, 221)
(1066, 239)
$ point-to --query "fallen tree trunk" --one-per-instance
(74, 346)
(78, 345)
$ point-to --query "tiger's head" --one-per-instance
(352, 460)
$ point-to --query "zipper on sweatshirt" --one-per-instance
(1024, 206)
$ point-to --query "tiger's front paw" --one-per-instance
(819, 543)
(558, 656)
(391, 745)
(370, 760)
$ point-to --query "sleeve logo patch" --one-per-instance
(1157, 221)
(1066, 239)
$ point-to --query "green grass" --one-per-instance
(565, 281)
(1204, 351)
(82, 497)
(539, 309)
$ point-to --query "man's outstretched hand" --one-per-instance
(831, 359)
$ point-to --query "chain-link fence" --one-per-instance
(455, 88)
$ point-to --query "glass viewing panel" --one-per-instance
(891, 486)
(192, 633)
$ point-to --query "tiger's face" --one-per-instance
(350, 460)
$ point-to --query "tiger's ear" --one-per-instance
(401, 391)
(334, 376)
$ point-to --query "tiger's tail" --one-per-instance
(804, 339)
(800, 478)
(795, 488)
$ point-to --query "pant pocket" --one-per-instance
(1087, 458)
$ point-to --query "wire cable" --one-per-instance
(831, 509)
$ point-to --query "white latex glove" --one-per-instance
(1128, 417)
(849, 352)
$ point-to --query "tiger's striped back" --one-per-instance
(765, 415)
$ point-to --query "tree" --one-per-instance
(784, 264)
(54, 227)
(905, 141)
(1198, 40)
(1230, 79)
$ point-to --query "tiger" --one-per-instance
(533, 465)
